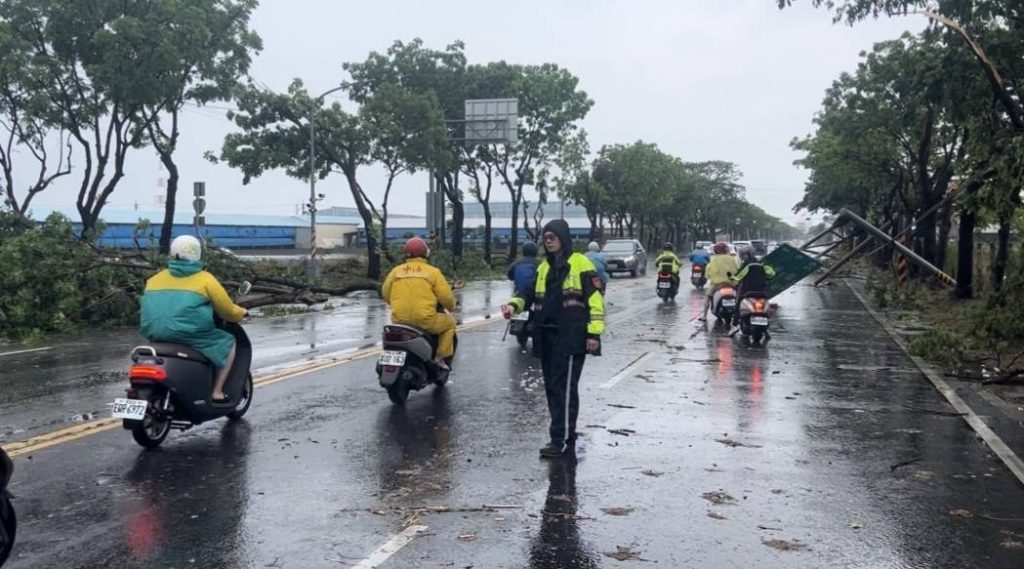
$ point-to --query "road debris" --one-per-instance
(933, 411)
(617, 511)
(783, 545)
(622, 432)
(624, 553)
(716, 516)
(650, 472)
(718, 498)
(467, 537)
(961, 513)
(734, 444)
(905, 463)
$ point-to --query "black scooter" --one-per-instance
(8, 520)
(171, 386)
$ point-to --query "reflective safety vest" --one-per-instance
(582, 314)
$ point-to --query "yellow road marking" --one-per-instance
(89, 428)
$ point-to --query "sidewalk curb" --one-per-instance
(994, 442)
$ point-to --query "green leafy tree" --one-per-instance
(102, 71)
(440, 74)
(550, 108)
(275, 135)
(206, 57)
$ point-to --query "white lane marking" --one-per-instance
(390, 548)
(25, 351)
(629, 369)
(994, 442)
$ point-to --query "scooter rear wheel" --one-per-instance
(150, 432)
(398, 391)
(10, 521)
(245, 402)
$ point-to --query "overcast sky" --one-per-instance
(729, 80)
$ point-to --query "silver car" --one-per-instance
(625, 256)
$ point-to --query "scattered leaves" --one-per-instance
(734, 444)
(1010, 543)
(623, 553)
(718, 498)
(783, 545)
(924, 475)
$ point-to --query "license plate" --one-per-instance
(728, 302)
(664, 285)
(758, 320)
(392, 358)
(134, 409)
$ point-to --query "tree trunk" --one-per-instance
(487, 231)
(170, 203)
(372, 249)
(513, 238)
(965, 255)
(1002, 253)
(945, 225)
(449, 183)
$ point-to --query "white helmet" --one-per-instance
(593, 246)
(186, 248)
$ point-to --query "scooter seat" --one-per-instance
(181, 352)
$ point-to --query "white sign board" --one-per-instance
(492, 121)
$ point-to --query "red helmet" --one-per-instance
(721, 248)
(416, 247)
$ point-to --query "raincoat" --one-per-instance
(178, 306)
(567, 296)
(668, 257)
(718, 271)
(413, 290)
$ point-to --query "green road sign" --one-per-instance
(791, 266)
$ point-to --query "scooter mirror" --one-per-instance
(244, 288)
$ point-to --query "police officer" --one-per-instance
(570, 316)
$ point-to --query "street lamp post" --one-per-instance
(314, 267)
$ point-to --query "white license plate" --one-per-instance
(392, 358)
(664, 285)
(134, 409)
(758, 320)
(522, 316)
(728, 302)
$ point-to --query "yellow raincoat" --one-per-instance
(413, 290)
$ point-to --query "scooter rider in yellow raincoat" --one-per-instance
(414, 290)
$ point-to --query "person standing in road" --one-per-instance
(570, 307)
(597, 257)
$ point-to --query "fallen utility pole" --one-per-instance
(885, 237)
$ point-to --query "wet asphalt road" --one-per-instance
(72, 380)
(705, 453)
